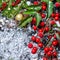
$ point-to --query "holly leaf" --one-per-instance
(29, 12)
(25, 22)
(45, 1)
(50, 9)
(38, 19)
(35, 8)
(58, 0)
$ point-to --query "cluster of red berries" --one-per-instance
(43, 5)
(4, 4)
(55, 16)
(35, 48)
(16, 2)
(50, 50)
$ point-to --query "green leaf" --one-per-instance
(38, 19)
(32, 7)
(7, 10)
(29, 12)
(45, 1)
(50, 9)
(25, 22)
(58, 0)
(55, 25)
(0, 3)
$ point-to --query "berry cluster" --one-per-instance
(4, 4)
(44, 29)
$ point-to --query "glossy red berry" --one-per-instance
(40, 44)
(17, 2)
(56, 18)
(40, 34)
(4, 4)
(30, 45)
(34, 50)
(35, 27)
(44, 58)
(49, 36)
(53, 15)
(54, 36)
(50, 48)
(37, 40)
(54, 53)
(46, 28)
(44, 3)
(55, 43)
(49, 53)
(57, 4)
(33, 20)
(52, 22)
(0, 9)
(43, 7)
(46, 49)
(13, 4)
(33, 38)
(57, 14)
(43, 15)
(40, 30)
(42, 24)
(35, 3)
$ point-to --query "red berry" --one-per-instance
(55, 42)
(46, 28)
(30, 45)
(0, 9)
(40, 30)
(53, 15)
(44, 3)
(13, 4)
(35, 27)
(40, 45)
(40, 34)
(33, 20)
(57, 14)
(4, 4)
(56, 18)
(42, 24)
(46, 49)
(49, 36)
(33, 38)
(54, 36)
(35, 2)
(43, 15)
(34, 50)
(51, 48)
(17, 2)
(57, 4)
(54, 53)
(49, 53)
(43, 7)
(44, 58)
(37, 40)
(52, 22)
(58, 33)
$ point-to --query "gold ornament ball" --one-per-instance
(19, 17)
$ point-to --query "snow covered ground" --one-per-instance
(13, 42)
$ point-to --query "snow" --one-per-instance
(13, 42)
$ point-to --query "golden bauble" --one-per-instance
(19, 17)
